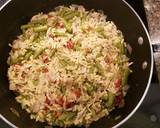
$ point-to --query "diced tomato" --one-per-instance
(45, 58)
(107, 59)
(57, 114)
(46, 108)
(119, 101)
(88, 50)
(70, 44)
(118, 83)
(17, 66)
(60, 101)
(68, 104)
(23, 74)
(52, 36)
(48, 101)
(45, 70)
(60, 25)
(77, 92)
(54, 81)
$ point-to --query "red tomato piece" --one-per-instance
(57, 114)
(60, 25)
(48, 101)
(70, 44)
(117, 83)
(77, 93)
(46, 108)
(68, 104)
(45, 70)
(45, 58)
(52, 36)
(119, 100)
(60, 101)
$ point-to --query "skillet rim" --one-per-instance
(151, 69)
(149, 79)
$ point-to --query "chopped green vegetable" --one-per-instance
(28, 54)
(9, 61)
(39, 21)
(26, 26)
(83, 18)
(38, 52)
(111, 98)
(66, 116)
(41, 35)
(62, 89)
(71, 15)
(105, 97)
(54, 123)
(16, 60)
(61, 123)
(77, 46)
(80, 124)
(64, 11)
(40, 28)
(99, 53)
(65, 61)
(53, 52)
(34, 23)
(89, 88)
(100, 68)
(20, 58)
(120, 45)
(91, 69)
(34, 38)
(67, 25)
(101, 31)
(125, 76)
(93, 112)
(59, 33)
(35, 82)
(54, 22)
(68, 14)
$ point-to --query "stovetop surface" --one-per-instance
(148, 115)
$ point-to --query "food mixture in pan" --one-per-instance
(69, 67)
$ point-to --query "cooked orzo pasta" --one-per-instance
(68, 67)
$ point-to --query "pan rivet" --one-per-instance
(153, 118)
(144, 65)
(140, 40)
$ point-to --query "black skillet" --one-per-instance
(18, 12)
